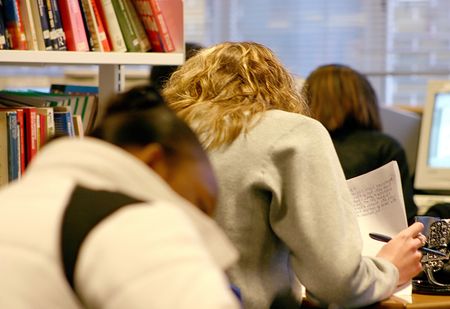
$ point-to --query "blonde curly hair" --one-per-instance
(223, 90)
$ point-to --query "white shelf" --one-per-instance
(70, 57)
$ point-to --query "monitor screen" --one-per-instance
(433, 158)
(439, 147)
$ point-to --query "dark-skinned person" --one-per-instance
(119, 219)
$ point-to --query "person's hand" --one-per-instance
(403, 251)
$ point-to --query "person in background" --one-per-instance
(344, 101)
(159, 74)
(109, 221)
(283, 197)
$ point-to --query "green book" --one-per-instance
(126, 26)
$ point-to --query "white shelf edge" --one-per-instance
(70, 57)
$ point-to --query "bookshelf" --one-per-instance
(111, 80)
(110, 64)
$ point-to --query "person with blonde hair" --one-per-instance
(283, 197)
(344, 101)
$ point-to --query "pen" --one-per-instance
(384, 238)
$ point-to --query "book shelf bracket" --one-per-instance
(111, 80)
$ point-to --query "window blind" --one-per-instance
(399, 44)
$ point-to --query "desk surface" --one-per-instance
(419, 301)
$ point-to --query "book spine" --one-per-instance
(86, 28)
(166, 38)
(145, 13)
(70, 126)
(38, 131)
(43, 130)
(51, 24)
(13, 151)
(112, 25)
(19, 148)
(28, 24)
(73, 26)
(4, 174)
(87, 110)
(70, 89)
(90, 25)
(59, 31)
(21, 141)
(78, 125)
(45, 28)
(14, 24)
(47, 112)
(30, 134)
(63, 123)
(35, 17)
(136, 22)
(102, 37)
(3, 32)
(128, 33)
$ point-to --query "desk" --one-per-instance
(420, 301)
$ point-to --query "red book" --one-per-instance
(44, 136)
(30, 140)
(145, 12)
(102, 37)
(163, 30)
(42, 130)
(76, 39)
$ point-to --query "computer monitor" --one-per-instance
(404, 126)
(433, 159)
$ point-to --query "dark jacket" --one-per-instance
(361, 151)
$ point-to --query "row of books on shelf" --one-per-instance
(84, 25)
(29, 119)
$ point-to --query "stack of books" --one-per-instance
(29, 119)
(85, 25)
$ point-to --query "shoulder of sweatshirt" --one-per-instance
(286, 129)
(278, 123)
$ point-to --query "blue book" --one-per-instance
(70, 89)
(59, 31)
(43, 15)
(63, 121)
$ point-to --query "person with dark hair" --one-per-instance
(344, 101)
(159, 74)
(117, 219)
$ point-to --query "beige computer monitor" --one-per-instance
(404, 126)
(433, 158)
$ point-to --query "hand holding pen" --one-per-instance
(403, 250)
(384, 238)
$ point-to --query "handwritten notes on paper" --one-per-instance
(378, 204)
(372, 200)
(379, 207)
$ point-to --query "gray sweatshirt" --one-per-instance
(285, 205)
